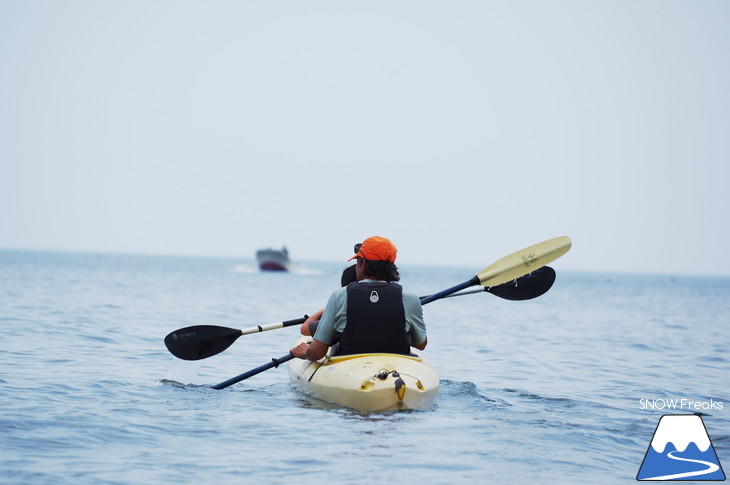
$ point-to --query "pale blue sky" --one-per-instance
(463, 131)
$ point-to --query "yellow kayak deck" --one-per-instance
(368, 382)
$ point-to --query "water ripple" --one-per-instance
(530, 391)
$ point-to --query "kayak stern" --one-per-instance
(368, 382)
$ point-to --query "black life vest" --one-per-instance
(376, 320)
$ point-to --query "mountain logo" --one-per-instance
(680, 450)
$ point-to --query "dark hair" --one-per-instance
(381, 270)
(348, 275)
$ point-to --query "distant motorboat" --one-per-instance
(273, 259)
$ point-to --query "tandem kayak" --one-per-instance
(368, 382)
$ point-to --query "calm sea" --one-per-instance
(552, 390)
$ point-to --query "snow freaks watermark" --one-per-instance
(680, 449)
(681, 404)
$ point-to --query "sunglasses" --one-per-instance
(357, 247)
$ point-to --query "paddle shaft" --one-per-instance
(462, 293)
(253, 372)
(274, 326)
(447, 292)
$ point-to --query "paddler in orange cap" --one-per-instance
(310, 325)
(372, 315)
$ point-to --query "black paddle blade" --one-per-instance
(526, 287)
(201, 341)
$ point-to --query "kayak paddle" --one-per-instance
(523, 288)
(506, 269)
(513, 266)
(203, 341)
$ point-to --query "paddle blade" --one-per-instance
(525, 261)
(525, 287)
(200, 341)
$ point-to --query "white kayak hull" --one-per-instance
(368, 382)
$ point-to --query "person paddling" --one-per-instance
(310, 324)
(373, 314)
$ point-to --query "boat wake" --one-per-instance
(244, 269)
(173, 383)
(456, 394)
(299, 270)
(294, 269)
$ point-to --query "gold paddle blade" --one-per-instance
(524, 261)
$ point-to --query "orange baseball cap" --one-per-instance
(376, 248)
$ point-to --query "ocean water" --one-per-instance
(552, 390)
